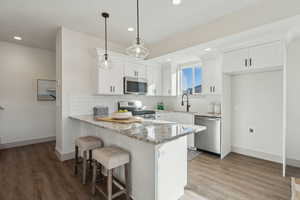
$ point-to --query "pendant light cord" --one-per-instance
(138, 22)
(106, 38)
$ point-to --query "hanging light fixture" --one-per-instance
(105, 61)
(138, 49)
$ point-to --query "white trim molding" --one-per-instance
(27, 142)
(293, 162)
(257, 154)
(64, 156)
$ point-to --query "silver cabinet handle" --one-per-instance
(250, 62)
(114, 88)
(1, 108)
(246, 62)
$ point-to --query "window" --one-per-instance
(191, 79)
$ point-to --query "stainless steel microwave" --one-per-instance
(134, 85)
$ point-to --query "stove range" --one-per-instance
(137, 109)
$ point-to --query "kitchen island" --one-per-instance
(158, 149)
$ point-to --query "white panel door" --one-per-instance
(268, 55)
(236, 61)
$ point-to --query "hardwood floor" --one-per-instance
(237, 177)
(34, 173)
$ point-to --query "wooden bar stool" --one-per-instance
(82, 146)
(111, 158)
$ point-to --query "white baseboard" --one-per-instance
(27, 142)
(257, 154)
(64, 156)
(293, 162)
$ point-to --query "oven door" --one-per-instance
(135, 85)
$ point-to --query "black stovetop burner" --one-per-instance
(142, 112)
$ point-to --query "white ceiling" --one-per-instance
(36, 21)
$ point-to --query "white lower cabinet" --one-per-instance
(110, 81)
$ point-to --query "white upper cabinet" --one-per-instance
(169, 80)
(236, 60)
(154, 80)
(268, 55)
(212, 76)
(260, 57)
(110, 81)
(135, 70)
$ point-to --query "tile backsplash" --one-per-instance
(83, 104)
(80, 105)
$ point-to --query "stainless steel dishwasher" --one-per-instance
(210, 139)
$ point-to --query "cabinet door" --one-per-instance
(104, 83)
(212, 76)
(267, 55)
(169, 80)
(154, 80)
(110, 81)
(236, 61)
(116, 78)
(135, 70)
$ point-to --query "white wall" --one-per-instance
(293, 102)
(25, 118)
(76, 66)
(257, 103)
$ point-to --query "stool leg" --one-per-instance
(127, 181)
(91, 159)
(109, 185)
(84, 163)
(76, 161)
(94, 177)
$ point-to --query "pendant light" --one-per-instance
(138, 49)
(105, 61)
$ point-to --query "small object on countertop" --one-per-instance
(121, 121)
(100, 111)
(160, 106)
(121, 115)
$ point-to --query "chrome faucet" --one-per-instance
(187, 102)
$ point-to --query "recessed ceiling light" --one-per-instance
(176, 2)
(130, 29)
(168, 59)
(208, 49)
(17, 38)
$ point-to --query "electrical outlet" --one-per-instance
(251, 131)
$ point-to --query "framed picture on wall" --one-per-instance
(46, 90)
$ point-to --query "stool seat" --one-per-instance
(88, 143)
(111, 157)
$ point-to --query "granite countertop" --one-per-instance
(217, 115)
(150, 131)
